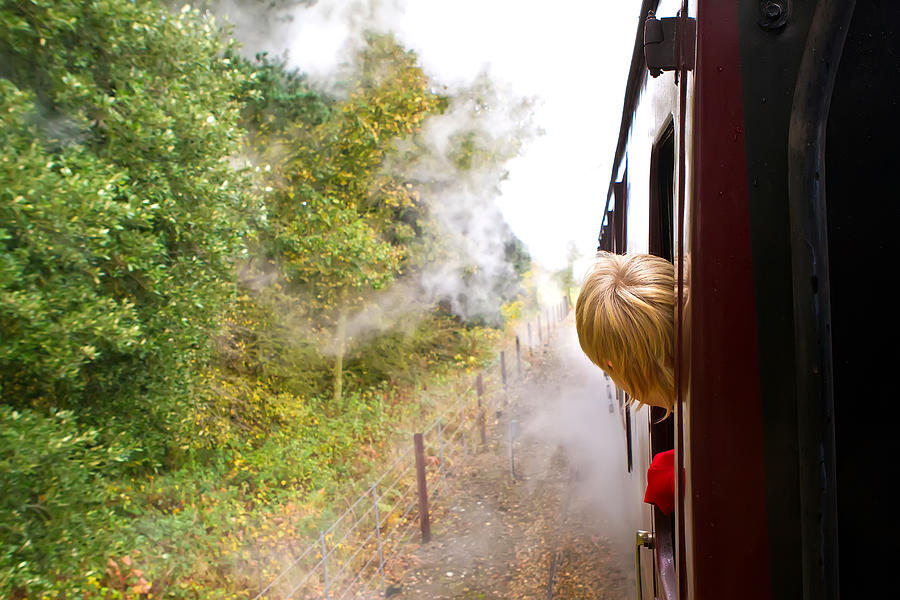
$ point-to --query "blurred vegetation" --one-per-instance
(188, 238)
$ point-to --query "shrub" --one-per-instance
(120, 210)
(53, 514)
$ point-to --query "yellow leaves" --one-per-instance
(141, 588)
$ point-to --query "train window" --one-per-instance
(606, 241)
(662, 429)
(662, 206)
(620, 189)
(662, 195)
(628, 441)
(621, 398)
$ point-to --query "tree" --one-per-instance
(338, 223)
(121, 211)
(565, 277)
(474, 263)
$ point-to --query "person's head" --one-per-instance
(625, 317)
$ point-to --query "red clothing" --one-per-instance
(661, 482)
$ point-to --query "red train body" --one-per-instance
(786, 341)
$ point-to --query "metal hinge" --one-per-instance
(669, 43)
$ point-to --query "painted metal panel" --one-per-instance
(726, 472)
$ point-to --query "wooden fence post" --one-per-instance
(479, 385)
(424, 521)
(378, 535)
(518, 358)
(324, 550)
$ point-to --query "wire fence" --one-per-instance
(355, 557)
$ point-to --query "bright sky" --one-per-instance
(571, 55)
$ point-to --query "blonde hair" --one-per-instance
(625, 317)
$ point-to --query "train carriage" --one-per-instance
(757, 152)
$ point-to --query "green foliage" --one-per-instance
(516, 254)
(121, 213)
(51, 474)
(335, 217)
(276, 98)
(148, 410)
(565, 277)
(58, 213)
(338, 223)
(404, 355)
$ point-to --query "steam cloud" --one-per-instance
(320, 39)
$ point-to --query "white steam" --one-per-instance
(318, 38)
(321, 39)
(462, 198)
(577, 411)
